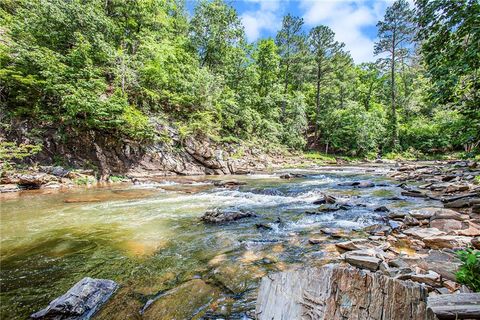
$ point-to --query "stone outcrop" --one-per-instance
(81, 302)
(338, 292)
(170, 154)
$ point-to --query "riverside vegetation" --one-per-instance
(132, 95)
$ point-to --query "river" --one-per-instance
(149, 238)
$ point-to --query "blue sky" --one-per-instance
(353, 21)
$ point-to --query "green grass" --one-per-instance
(318, 156)
(85, 181)
(115, 179)
(321, 157)
(417, 155)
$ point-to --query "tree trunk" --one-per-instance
(317, 117)
(394, 109)
(284, 102)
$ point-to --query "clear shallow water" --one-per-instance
(149, 239)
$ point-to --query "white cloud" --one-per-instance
(347, 19)
(266, 17)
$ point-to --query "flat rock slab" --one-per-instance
(80, 302)
(455, 306)
(450, 242)
(421, 233)
(339, 292)
(363, 262)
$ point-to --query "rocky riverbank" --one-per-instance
(60, 178)
(408, 264)
(106, 156)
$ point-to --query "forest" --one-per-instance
(122, 67)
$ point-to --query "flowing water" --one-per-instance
(149, 239)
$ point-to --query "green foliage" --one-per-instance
(395, 33)
(469, 271)
(85, 181)
(10, 151)
(450, 40)
(122, 67)
(116, 179)
(353, 130)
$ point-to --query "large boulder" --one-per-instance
(81, 302)
(338, 292)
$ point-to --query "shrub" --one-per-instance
(469, 271)
(11, 151)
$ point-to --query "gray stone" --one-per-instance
(422, 233)
(447, 225)
(431, 278)
(451, 242)
(448, 214)
(410, 221)
(355, 244)
(80, 302)
(335, 292)
(455, 306)
(476, 242)
(424, 213)
(219, 216)
(363, 261)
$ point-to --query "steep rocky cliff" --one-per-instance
(168, 154)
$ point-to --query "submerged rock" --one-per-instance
(228, 183)
(181, 302)
(338, 292)
(80, 302)
(358, 184)
(219, 216)
(413, 193)
(326, 199)
(292, 175)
